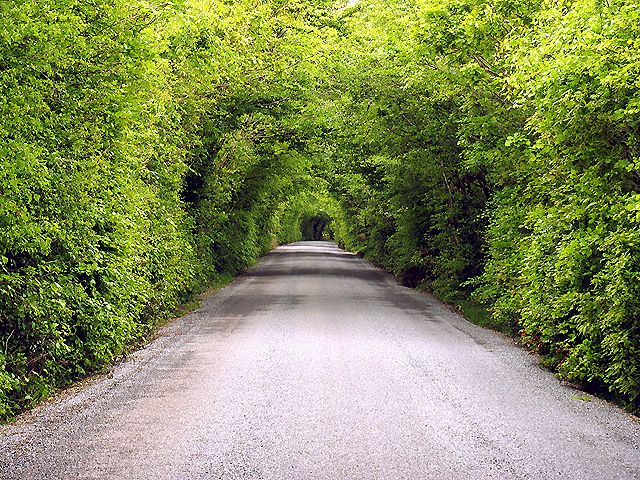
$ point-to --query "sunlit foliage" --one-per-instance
(477, 148)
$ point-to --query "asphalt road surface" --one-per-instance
(316, 365)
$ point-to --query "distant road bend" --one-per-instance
(316, 365)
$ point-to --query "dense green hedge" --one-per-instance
(575, 252)
(143, 152)
(491, 148)
(484, 149)
(88, 182)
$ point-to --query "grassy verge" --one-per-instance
(194, 302)
(479, 315)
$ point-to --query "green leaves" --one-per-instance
(471, 147)
(145, 149)
(493, 147)
(569, 195)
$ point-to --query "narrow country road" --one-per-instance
(316, 365)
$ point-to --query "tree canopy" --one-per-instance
(481, 149)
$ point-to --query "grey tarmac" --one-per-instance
(316, 365)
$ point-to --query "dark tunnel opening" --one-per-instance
(315, 227)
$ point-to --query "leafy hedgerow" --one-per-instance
(142, 154)
(475, 148)
(492, 149)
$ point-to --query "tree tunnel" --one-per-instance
(314, 227)
(424, 135)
